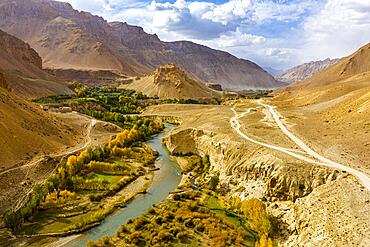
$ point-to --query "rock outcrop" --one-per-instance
(238, 163)
(215, 86)
(170, 82)
(334, 214)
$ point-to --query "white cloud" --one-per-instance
(275, 33)
(95, 6)
(236, 39)
(338, 29)
(220, 26)
(229, 11)
(269, 10)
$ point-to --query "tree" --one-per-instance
(255, 211)
(214, 182)
(62, 173)
(71, 165)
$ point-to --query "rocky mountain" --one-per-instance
(169, 82)
(304, 71)
(273, 71)
(349, 69)
(66, 38)
(22, 67)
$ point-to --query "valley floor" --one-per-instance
(292, 181)
(272, 154)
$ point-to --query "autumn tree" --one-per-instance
(71, 165)
(255, 210)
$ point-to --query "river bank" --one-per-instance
(98, 188)
(165, 180)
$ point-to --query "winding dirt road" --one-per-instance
(38, 160)
(318, 159)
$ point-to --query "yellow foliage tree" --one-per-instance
(121, 151)
(264, 241)
(83, 157)
(70, 165)
(133, 134)
(236, 203)
(62, 173)
(255, 211)
(68, 195)
(80, 90)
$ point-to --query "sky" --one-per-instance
(273, 33)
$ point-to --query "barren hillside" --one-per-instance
(22, 66)
(27, 131)
(350, 74)
(332, 109)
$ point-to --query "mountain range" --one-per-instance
(304, 71)
(351, 68)
(66, 38)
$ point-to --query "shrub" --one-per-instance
(96, 197)
(214, 182)
(199, 228)
(165, 235)
(152, 211)
(177, 197)
(159, 220)
(140, 223)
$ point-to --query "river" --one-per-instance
(165, 181)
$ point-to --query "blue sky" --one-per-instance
(272, 33)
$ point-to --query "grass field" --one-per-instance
(216, 206)
(112, 179)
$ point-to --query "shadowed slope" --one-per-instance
(22, 66)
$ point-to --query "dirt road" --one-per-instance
(235, 124)
(317, 158)
(38, 159)
(365, 180)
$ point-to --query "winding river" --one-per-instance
(165, 181)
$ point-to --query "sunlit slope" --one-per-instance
(331, 110)
(27, 131)
(170, 82)
(350, 75)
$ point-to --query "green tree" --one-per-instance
(214, 182)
